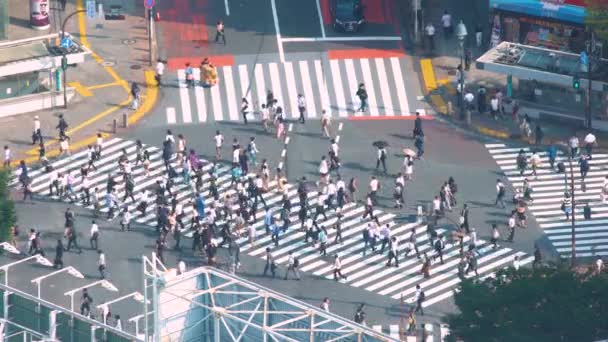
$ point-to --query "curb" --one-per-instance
(148, 101)
(435, 91)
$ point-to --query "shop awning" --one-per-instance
(560, 10)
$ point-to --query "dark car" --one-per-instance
(347, 15)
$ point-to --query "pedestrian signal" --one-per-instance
(576, 82)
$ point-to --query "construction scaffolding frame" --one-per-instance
(207, 304)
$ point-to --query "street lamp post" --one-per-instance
(573, 260)
(461, 34)
(64, 63)
(39, 259)
(70, 270)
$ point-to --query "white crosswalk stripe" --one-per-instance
(364, 271)
(326, 85)
(548, 192)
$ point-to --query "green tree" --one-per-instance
(547, 304)
(597, 17)
(8, 216)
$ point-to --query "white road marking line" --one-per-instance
(275, 17)
(216, 101)
(340, 39)
(385, 88)
(400, 86)
(352, 83)
(339, 90)
(259, 83)
(233, 110)
(171, 115)
(184, 96)
(244, 78)
(291, 90)
(199, 95)
(311, 111)
(320, 14)
(227, 7)
(369, 86)
(322, 86)
(275, 79)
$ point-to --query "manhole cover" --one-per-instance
(108, 63)
(135, 67)
(128, 41)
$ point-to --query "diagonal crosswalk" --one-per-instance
(366, 272)
(548, 192)
(326, 84)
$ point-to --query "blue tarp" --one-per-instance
(538, 8)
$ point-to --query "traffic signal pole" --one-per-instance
(64, 58)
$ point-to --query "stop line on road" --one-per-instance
(365, 272)
(548, 192)
(326, 85)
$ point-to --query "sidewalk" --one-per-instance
(438, 73)
(120, 57)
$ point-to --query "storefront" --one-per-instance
(551, 24)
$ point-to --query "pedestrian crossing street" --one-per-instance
(548, 192)
(430, 332)
(365, 272)
(325, 84)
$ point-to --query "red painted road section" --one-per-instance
(388, 118)
(376, 11)
(363, 53)
(186, 33)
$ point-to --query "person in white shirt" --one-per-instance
(334, 148)
(573, 143)
(516, 263)
(160, 70)
(494, 106)
(437, 206)
(265, 113)
(219, 142)
(374, 186)
(125, 221)
(301, 107)
(325, 123)
(36, 134)
(430, 35)
(169, 137)
(94, 236)
(323, 170)
(534, 162)
(101, 263)
(252, 232)
(292, 266)
(599, 265)
(118, 325)
(590, 141)
(385, 237)
(64, 146)
(85, 187)
(235, 155)
(244, 109)
(338, 269)
(446, 22)
(511, 225)
(181, 267)
(7, 158)
(325, 304)
(393, 253)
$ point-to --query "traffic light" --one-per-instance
(576, 82)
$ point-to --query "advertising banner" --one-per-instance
(39, 14)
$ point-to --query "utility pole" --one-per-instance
(64, 58)
(590, 62)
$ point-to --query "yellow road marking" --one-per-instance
(428, 74)
(149, 98)
(105, 85)
(97, 117)
(82, 90)
(439, 104)
(82, 23)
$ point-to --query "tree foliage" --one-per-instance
(597, 17)
(8, 216)
(547, 304)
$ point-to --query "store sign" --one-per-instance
(39, 14)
